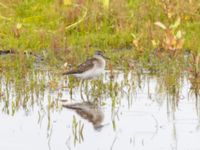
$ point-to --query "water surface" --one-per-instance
(138, 114)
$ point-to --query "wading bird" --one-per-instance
(90, 69)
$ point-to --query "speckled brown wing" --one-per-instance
(82, 67)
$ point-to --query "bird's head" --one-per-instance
(101, 54)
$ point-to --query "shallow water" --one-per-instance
(136, 116)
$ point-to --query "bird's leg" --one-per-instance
(81, 90)
(87, 93)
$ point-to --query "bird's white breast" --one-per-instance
(92, 73)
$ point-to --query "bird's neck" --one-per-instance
(101, 60)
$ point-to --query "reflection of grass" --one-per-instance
(77, 131)
(194, 72)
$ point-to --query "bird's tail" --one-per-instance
(67, 104)
(83, 105)
(71, 106)
(65, 73)
(68, 73)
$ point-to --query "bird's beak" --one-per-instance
(106, 57)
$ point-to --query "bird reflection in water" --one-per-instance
(89, 111)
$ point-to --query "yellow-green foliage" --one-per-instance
(72, 27)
